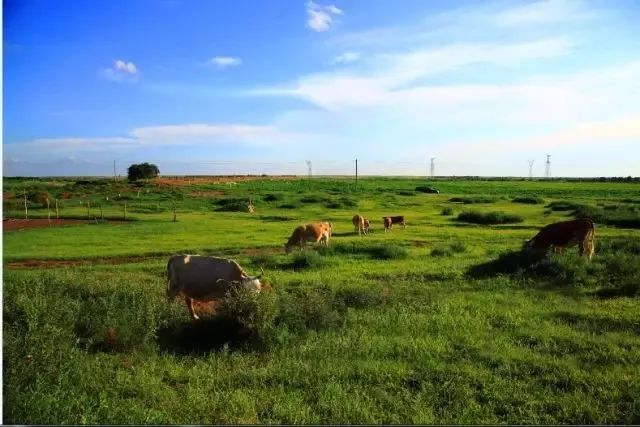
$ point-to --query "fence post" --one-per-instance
(48, 212)
(57, 212)
(26, 211)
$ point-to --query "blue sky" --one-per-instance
(245, 86)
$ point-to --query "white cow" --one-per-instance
(205, 278)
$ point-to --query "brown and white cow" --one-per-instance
(388, 221)
(367, 226)
(316, 232)
(359, 223)
(205, 278)
(561, 235)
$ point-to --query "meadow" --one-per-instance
(445, 321)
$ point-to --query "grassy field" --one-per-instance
(442, 322)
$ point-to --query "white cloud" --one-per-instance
(199, 135)
(122, 71)
(388, 77)
(320, 18)
(225, 61)
(539, 12)
(346, 57)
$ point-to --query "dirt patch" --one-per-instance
(129, 259)
(169, 181)
(23, 224)
(210, 193)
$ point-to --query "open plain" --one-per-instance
(445, 321)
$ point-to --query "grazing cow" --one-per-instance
(359, 224)
(367, 226)
(319, 232)
(561, 235)
(205, 278)
(388, 222)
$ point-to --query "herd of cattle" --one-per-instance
(206, 278)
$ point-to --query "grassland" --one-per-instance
(442, 322)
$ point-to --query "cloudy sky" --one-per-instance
(245, 86)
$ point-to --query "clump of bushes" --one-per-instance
(453, 248)
(563, 206)
(489, 217)
(618, 216)
(341, 203)
(375, 251)
(427, 189)
(530, 200)
(389, 252)
(272, 198)
(307, 259)
(311, 199)
(447, 211)
(232, 204)
(474, 199)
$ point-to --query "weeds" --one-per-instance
(489, 217)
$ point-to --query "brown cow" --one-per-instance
(319, 232)
(561, 235)
(359, 224)
(367, 226)
(388, 222)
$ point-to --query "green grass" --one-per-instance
(442, 322)
(489, 217)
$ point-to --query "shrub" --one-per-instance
(563, 206)
(360, 297)
(618, 216)
(287, 206)
(272, 197)
(314, 309)
(311, 199)
(427, 189)
(489, 217)
(232, 204)
(389, 252)
(475, 199)
(39, 197)
(455, 247)
(447, 211)
(264, 260)
(256, 313)
(531, 200)
(406, 193)
(307, 259)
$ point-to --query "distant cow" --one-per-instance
(205, 278)
(318, 232)
(388, 222)
(367, 226)
(561, 235)
(359, 223)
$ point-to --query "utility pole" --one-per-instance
(547, 171)
(433, 166)
(531, 169)
(114, 170)
(356, 172)
(309, 168)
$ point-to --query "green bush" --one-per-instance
(474, 199)
(307, 259)
(447, 211)
(531, 200)
(232, 204)
(389, 252)
(455, 247)
(489, 217)
(255, 312)
(311, 309)
(618, 216)
(563, 206)
(272, 198)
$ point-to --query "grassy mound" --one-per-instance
(476, 217)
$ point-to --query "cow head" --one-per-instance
(253, 282)
(367, 224)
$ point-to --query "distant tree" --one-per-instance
(142, 171)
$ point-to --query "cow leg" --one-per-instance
(192, 312)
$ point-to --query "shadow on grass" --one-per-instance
(511, 263)
(203, 337)
(598, 323)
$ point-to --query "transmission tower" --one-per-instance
(531, 169)
(547, 172)
(433, 166)
(309, 167)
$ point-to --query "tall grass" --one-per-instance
(489, 217)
